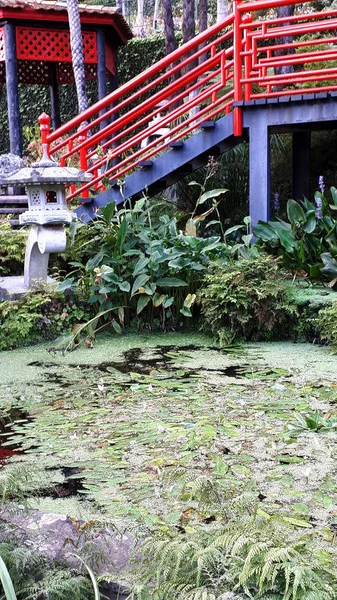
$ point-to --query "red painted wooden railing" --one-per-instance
(251, 54)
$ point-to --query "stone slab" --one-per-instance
(58, 536)
(11, 288)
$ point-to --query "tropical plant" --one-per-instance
(249, 298)
(304, 241)
(312, 420)
(132, 263)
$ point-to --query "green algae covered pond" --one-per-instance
(116, 432)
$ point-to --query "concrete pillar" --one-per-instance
(259, 170)
(301, 164)
(12, 90)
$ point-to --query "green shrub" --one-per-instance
(248, 298)
(37, 316)
(12, 249)
(326, 323)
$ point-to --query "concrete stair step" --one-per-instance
(145, 164)
(13, 200)
(11, 211)
(12, 222)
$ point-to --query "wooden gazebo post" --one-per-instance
(101, 69)
(12, 90)
(54, 97)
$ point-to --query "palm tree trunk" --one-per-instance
(77, 54)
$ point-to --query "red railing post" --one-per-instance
(44, 122)
(83, 156)
(247, 36)
(237, 45)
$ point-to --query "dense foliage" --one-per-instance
(311, 231)
(38, 316)
(326, 324)
(249, 299)
(12, 249)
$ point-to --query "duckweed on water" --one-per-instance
(137, 419)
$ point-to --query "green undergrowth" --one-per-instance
(183, 445)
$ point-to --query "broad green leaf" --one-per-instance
(170, 282)
(94, 261)
(265, 232)
(116, 326)
(211, 194)
(124, 286)
(247, 239)
(221, 468)
(301, 508)
(189, 300)
(140, 265)
(168, 301)
(311, 222)
(295, 212)
(66, 284)
(330, 265)
(121, 235)
(108, 211)
(334, 195)
(231, 229)
(288, 241)
(195, 183)
(143, 300)
(186, 311)
(297, 522)
(139, 282)
(157, 299)
(190, 228)
(121, 314)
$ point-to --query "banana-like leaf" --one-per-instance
(6, 581)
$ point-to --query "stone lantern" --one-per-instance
(45, 183)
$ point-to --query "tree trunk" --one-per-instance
(119, 6)
(203, 9)
(139, 25)
(221, 10)
(155, 15)
(77, 54)
(284, 11)
(188, 20)
(170, 39)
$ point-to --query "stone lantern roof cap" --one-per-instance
(45, 171)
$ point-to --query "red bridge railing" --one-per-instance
(251, 54)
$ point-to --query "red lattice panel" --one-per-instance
(2, 43)
(52, 45)
(65, 73)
